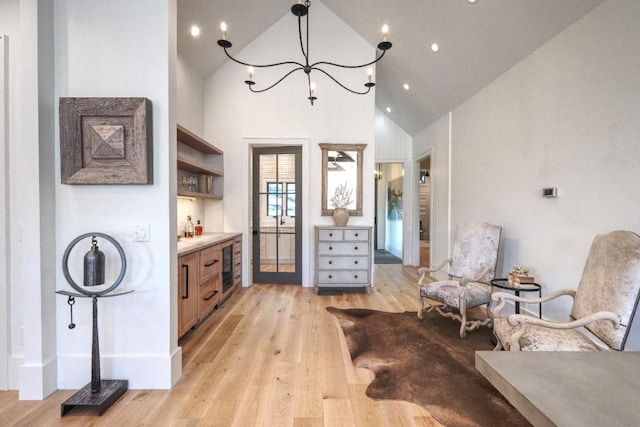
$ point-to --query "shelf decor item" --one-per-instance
(519, 274)
(106, 141)
(341, 201)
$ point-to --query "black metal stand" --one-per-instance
(110, 391)
(99, 394)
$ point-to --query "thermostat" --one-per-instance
(550, 192)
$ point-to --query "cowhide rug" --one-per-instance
(427, 363)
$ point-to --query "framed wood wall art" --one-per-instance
(106, 141)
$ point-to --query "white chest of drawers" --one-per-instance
(343, 257)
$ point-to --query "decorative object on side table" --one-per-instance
(100, 394)
(341, 201)
(519, 274)
(106, 141)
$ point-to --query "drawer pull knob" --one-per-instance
(356, 234)
(330, 277)
(330, 234)
(356, 276)
(330, 262)
(355, 262)
(356, 248)
(331, 248)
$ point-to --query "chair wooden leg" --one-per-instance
(462, 303)
(421, 310)
(498, 346)
(463, 322)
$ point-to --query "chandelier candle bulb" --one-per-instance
(312, 87)
(250, 73)
(370, 74)
(223, 28)
(385, 32)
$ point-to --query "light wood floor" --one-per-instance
(270, 356)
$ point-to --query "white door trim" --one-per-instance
(4, 213)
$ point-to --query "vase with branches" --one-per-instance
(341, 200)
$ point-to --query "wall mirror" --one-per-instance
(342, 163)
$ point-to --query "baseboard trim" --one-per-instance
(142, 372)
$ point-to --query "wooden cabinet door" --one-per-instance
(188, 282)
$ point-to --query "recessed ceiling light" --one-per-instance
(406, 86)
(195, 31)
(388, 109)
(472, 1)
(435, 48)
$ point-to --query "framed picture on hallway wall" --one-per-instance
(394, 199)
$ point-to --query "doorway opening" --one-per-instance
(277, 214)
(425, 212)
(389, 218)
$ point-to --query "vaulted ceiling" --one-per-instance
(478, 42)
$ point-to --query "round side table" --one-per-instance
(521, 287)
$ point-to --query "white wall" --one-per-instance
(232, 113)
(434, 141)
(189, 97)
(122, 49)
(10, 354)
(394, 145)
(568, 117)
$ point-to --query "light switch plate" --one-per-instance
(141, 233)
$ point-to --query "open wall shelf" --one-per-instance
(195, 158)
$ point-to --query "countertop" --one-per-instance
(567, 387)
(192, 244)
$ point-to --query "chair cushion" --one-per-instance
(448, 292)
(538, 338)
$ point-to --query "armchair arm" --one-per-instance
(422, 271)
(522, 320)
(504, 296)
(516, 319)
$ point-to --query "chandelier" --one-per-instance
(300, 10)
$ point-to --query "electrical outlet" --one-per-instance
(141, 233)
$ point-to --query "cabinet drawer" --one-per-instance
(337, 277)
(357, 235)
(347, 262)
(209, 295)
(330, 235)
(209, 263)
(343, 248)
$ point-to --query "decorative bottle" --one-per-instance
(188, 228)
(198, 229)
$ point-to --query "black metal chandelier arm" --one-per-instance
(262, 65)
(341, 85)
(273, 85)
(305, 54)
(348, 66)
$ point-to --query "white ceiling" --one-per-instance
(478, 42)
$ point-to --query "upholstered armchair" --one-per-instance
(604, 303)
(471, 267)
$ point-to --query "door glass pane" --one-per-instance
(277, 209)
